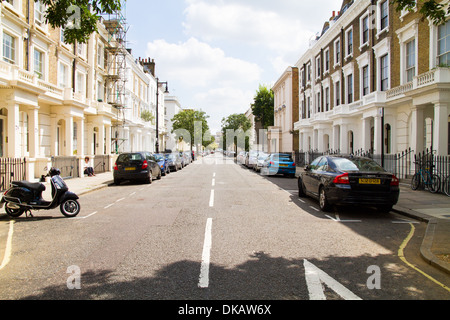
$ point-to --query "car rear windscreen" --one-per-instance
(364, 165)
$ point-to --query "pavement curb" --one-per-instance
(427, 243)
(425, 249)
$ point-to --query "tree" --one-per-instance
(238, 125)
(431, 9)
(262, 107)
(184, 126)
(78, 17)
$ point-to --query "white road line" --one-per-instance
(120, 199)
(302, 201)
(93, 213)
(214, 175)
(8, 250)
(211, 199)
(132, 194)
(314, 208)
(109, 206)
(206, 255)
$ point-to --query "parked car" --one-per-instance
(251, 159)
(163, 163)
(136, 166)
(174, 161)
(240, 159)
(188, 156)
(262, 156)
(279, 163)
(339, 180)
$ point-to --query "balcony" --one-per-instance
(435, 76)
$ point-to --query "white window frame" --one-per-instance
(39, 73)
(347, 53)
(63, 77)
(405, 35)
(337, 77)
(361, 31)
(337, 60)
(379, 11)
(12, 49)
(348, 70)
(380, 50)
(39, 14)
(318, 67)
(327, 61)
(364, 61)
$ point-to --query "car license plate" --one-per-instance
(130, 169)
(284, 165)
(369, 181)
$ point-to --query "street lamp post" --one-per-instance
(158, 83)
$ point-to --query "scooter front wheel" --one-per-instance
(70, 208)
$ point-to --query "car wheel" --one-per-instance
(301, 190)
(150, 177)
(116, 181)
(323, 201)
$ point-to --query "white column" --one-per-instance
(101, 139)
(14, 131)
(33, 123)
(417, 130)
(378, 145)
(344, 139)
(68, 136)
(366, 134)
(108, 139)
(440, 131)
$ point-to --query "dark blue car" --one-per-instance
(163, 163)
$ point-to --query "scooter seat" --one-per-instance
(39, 187)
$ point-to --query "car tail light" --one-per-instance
(145, 164)
(293, 164)
(342, 179)
(116, 168)
(395, 182)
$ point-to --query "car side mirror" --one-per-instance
(307, 167)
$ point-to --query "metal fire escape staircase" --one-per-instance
(116, 78)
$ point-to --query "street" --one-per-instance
(214, 231)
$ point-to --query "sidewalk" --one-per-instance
(421, 205)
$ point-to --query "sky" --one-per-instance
(215, 54)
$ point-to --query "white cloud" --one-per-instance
(198, 64)
(284, 27)
(218, 84)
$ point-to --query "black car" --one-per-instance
(174, 161)
(339, 180)
(136, 166)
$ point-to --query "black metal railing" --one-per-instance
(12, 169)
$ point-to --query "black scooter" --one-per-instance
(24, 196)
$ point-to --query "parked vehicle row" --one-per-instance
(333, 180)
(146, 166)
(268, 164)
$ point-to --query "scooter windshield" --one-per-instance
(59, 182)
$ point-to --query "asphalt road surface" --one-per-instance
(214, 231)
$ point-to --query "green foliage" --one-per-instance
(263, 105)
(185, 120)
(238, 123)
(431, 9)
(148, 116)
(79, 17)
